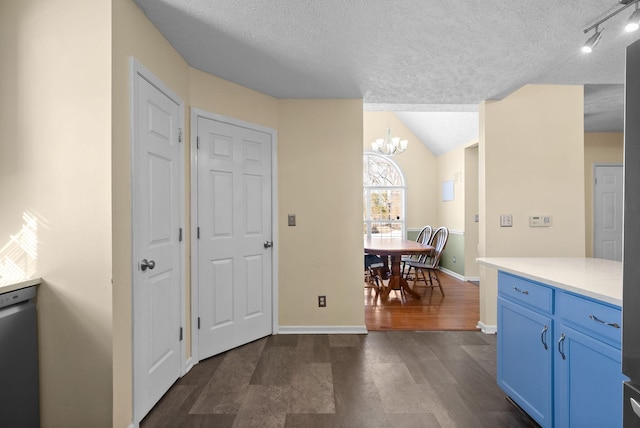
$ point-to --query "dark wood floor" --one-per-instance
(459, 309)
(391, 379)
(423, 364)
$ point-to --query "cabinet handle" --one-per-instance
(543, 336)
(561, 346)
(635, 406)
(520, 291)
(610, 324)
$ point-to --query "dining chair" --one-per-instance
(424, 236)
(373, 266)
(426, 270)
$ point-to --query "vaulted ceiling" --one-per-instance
(430, 61)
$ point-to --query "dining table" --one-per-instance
(395, 248)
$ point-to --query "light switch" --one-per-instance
(291, 219)
(506, 220)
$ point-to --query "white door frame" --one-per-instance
(137, 69)
(593, 199)
(195, 114)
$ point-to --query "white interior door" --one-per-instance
(607, 212)
(157, 247)
(234, 235)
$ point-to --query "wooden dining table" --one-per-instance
(395, 248)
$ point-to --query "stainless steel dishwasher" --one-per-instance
(19, 402)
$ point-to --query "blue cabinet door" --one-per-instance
(525, 356)
(588, 381)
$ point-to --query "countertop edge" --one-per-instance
(19, 285)
(545, 279)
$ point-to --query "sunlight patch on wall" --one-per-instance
(19, 255)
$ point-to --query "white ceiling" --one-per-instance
(430, 61)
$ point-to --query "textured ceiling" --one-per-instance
(430, 61)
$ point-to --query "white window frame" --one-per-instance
(367, 199)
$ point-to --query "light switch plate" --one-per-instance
(291, 219)
(506, 220)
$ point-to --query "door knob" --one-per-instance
(144, 264)
(268, 244)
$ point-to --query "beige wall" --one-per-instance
(418, 165)
(320, 181)
(55, 165)
(599, 148)
(531, 162)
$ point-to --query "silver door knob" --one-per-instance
(144, 264)
(268, 244)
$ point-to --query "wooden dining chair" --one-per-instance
(424, 237)
(426, 270)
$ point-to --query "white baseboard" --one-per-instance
(452, 273)
(458, 276)
(323, 329)
(487, 329)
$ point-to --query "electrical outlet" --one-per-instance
(322, 301)
(454, 259)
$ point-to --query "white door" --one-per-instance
(234, 230)
(607, 217)
(157, 273)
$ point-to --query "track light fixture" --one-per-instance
(592, 41)
(633, 23)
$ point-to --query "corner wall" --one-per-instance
(320, 180)
(55, 169)
(531, 162)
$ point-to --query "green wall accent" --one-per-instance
(454, 248)
(412, 234)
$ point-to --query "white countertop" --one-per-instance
(18, 285)
(596, 278)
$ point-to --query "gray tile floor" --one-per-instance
(383, 379)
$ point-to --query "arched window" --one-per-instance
(383, 198)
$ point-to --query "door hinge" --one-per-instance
(197, 142)
(198, 232)
(595, 180)
(179, 135)
(180, 235)
(180, 334)
(198, 323)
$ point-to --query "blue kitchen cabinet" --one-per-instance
(587, 363)
(524, 362)
(558, 354)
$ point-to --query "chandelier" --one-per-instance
(389, 146)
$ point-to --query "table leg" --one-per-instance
(397, 281)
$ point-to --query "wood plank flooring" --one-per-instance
(459, 309)
(390, 379)
(423, 364)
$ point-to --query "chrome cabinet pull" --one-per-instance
(610, 324)
(543, 336)
(635, 406)
(520, 291)
(561, 346)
